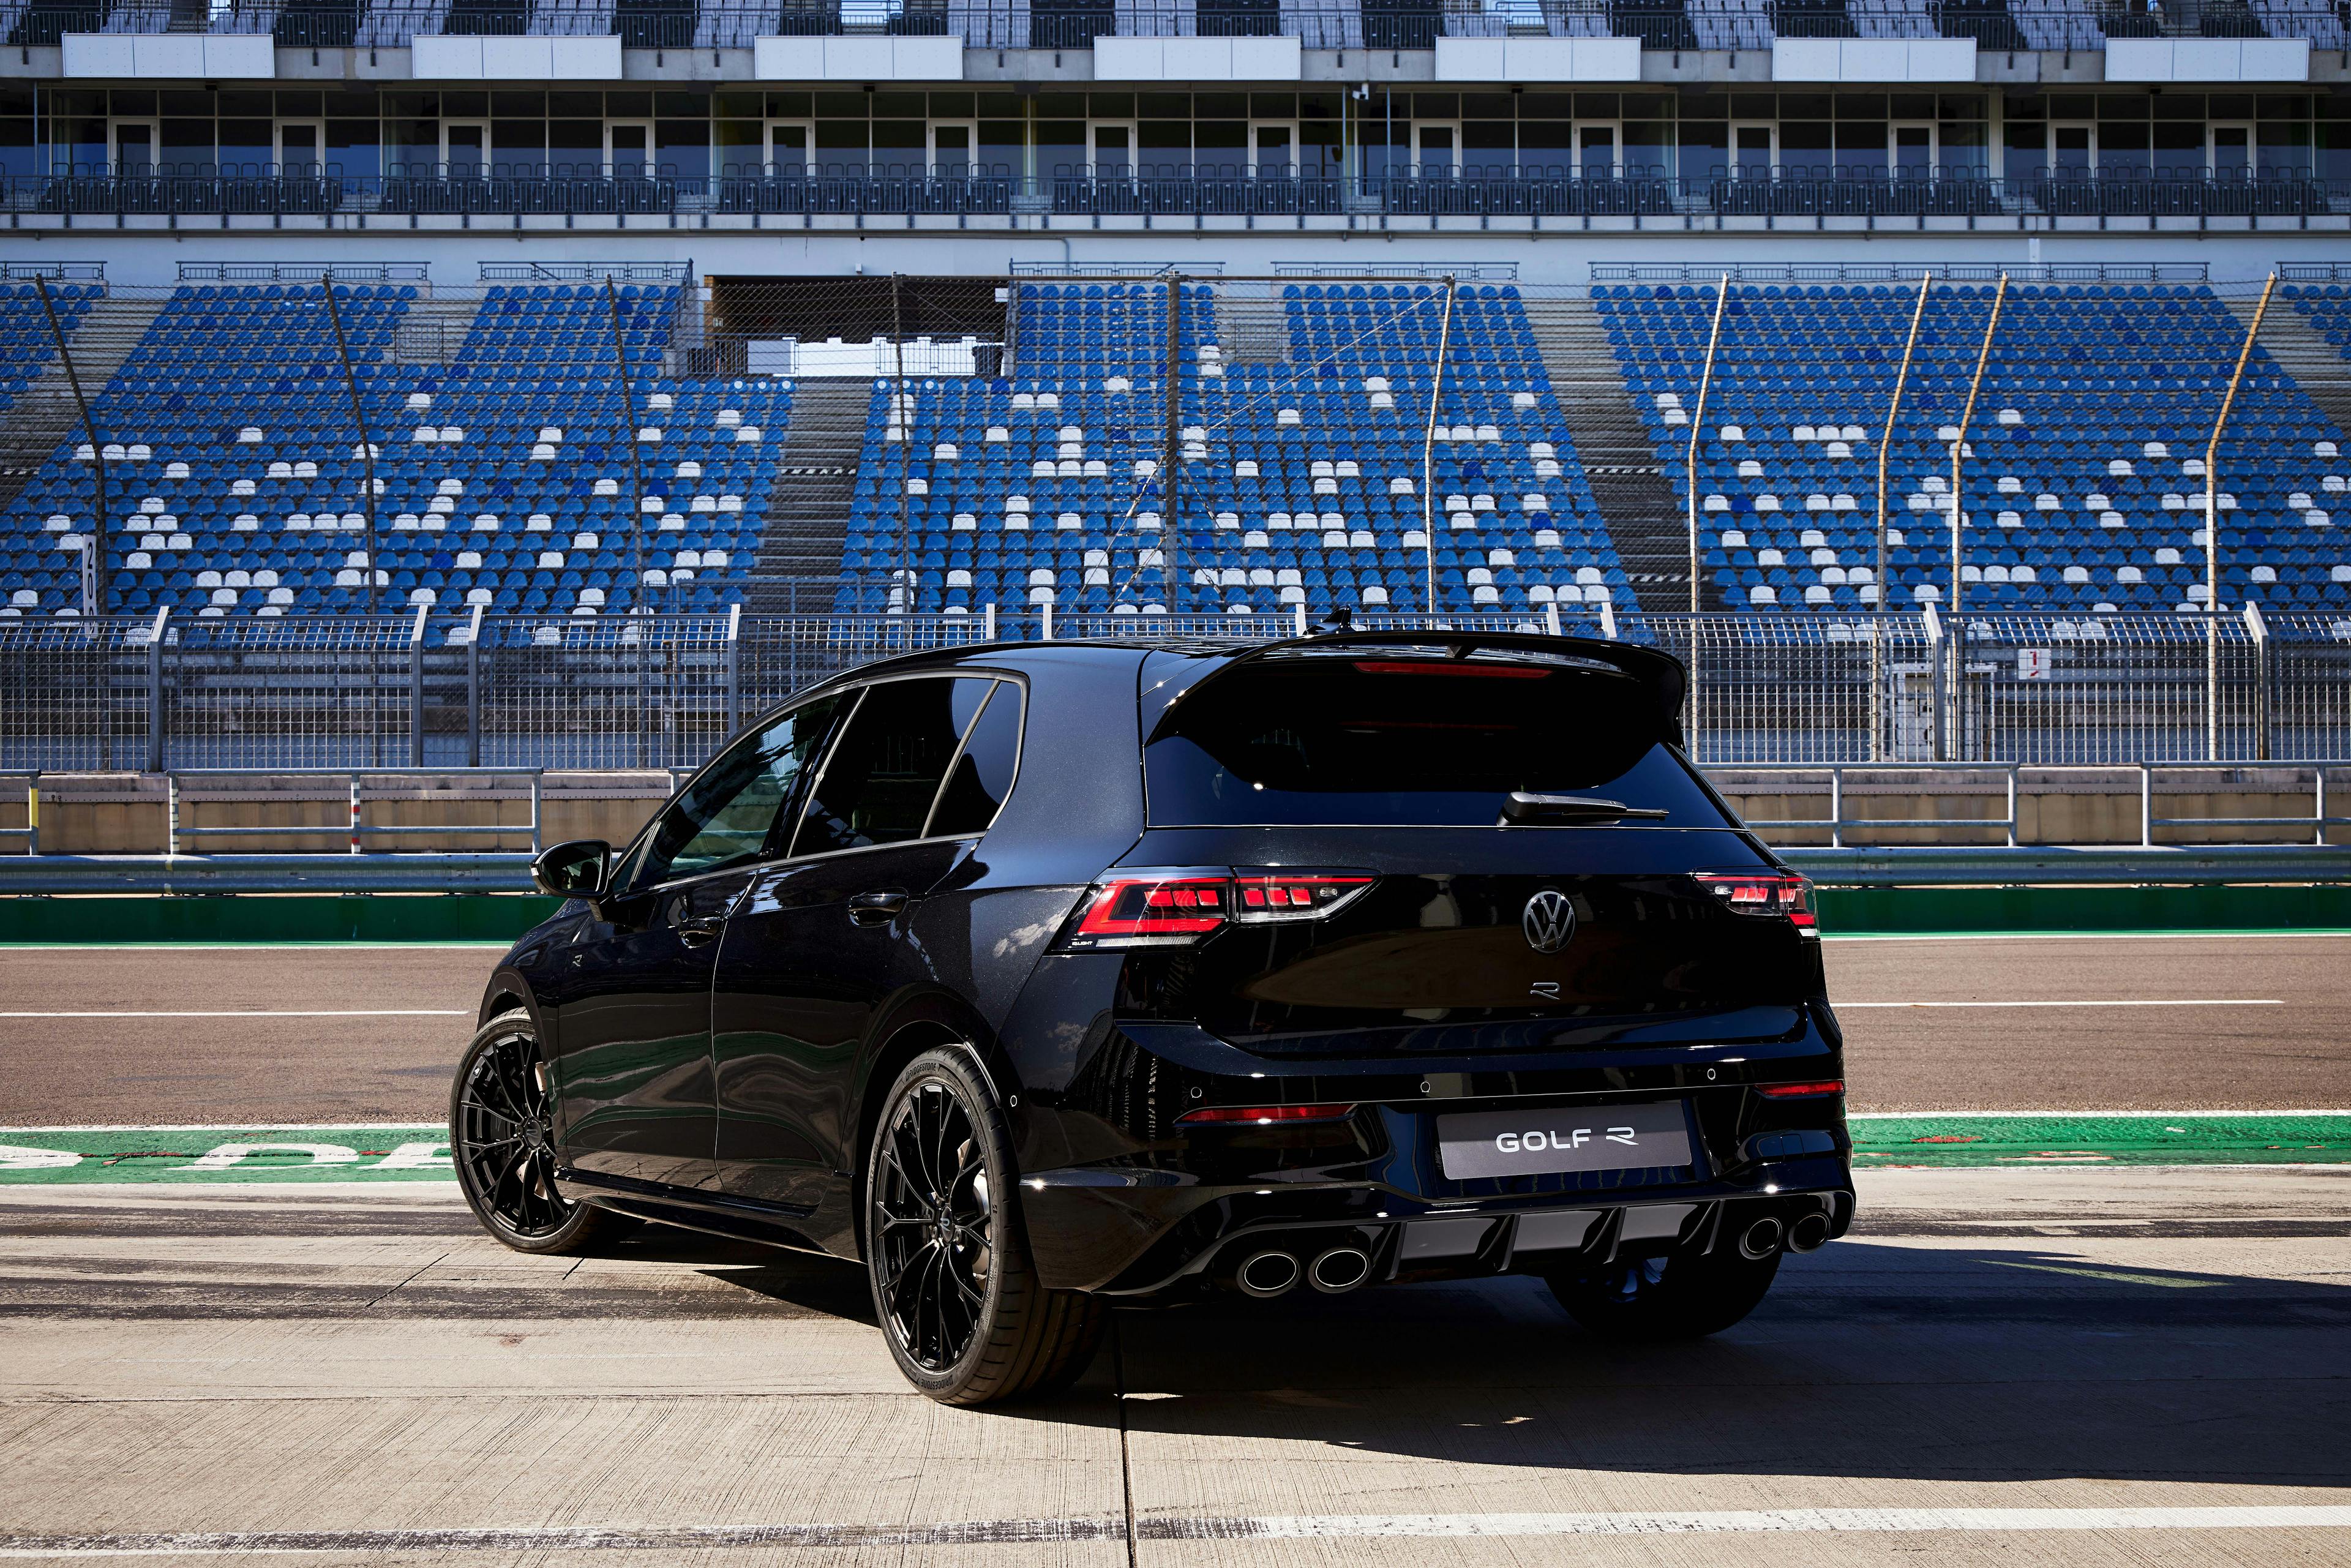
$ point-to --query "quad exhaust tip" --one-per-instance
(1762, 1237)
(1266, 1274)
(1339, 1269)
(1808, 1232)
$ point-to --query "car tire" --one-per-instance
(502, 1141)
(1683, 1294)
(946, 1253)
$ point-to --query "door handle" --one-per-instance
(694, 933)
(875, 908)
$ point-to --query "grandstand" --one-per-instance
(1017, 311)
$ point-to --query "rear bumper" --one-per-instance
(1150, 1206)
(1134, 1242)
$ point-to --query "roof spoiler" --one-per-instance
(1659, 672)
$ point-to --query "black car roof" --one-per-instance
(1659, 671)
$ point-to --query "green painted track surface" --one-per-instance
(217, 1156)
(2141, 1138)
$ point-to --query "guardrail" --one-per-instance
(2314, 825)
(360, 788)
(1536, 191)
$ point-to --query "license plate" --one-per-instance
(1537, 1141)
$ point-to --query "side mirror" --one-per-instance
(574, 870)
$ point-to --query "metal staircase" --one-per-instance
(46, 415)
(1644, 517)
(2315, 365)
(807, 524)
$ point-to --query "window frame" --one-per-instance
(832, 747)
(2252, 164)
(115, 126)
(1771, 129)
(1577, 131)
(278, 130)
(1450, 169)
(774, 854)
(628, 852)
(767, 159)
(1894, 132)
(651, 151)
(971, 128)
(467, 122)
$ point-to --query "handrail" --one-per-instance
(1539, 191)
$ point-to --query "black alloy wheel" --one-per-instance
(931, 1214)
(962, 1310)
(502, 1139)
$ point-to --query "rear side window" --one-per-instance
(881, 780)
(982, 775)
(1364, 741)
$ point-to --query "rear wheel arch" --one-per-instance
(929, 1024)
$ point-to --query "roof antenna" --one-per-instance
(1338, 618)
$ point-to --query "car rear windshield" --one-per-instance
(1420, 742)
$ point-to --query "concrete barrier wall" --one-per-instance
(2072, 806)
(126, 813)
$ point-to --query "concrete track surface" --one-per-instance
(163, 1035)
(2026, 1367)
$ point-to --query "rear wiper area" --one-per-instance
(1523, 807)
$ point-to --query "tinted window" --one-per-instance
(879, 783)
(731, 807)
(982, 776)
(1362, 741)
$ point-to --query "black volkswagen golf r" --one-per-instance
(1043, 977)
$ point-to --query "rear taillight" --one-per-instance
(1167, 908)
(1812, 1090)
(1263, 1115)
(1134, 912)
(1784, 896)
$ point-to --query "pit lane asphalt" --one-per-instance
(380, 1061)
(2022, 1366)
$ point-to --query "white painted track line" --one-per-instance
(1327, 1527)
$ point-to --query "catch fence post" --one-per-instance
(2146, 806)
(474, 691)
(734, 664)
(156, 711)
(2260, 632)
(355, 812)
(417, 690)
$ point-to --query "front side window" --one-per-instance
(881, 783)
(727, 814)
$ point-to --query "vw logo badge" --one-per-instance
(1548, 921)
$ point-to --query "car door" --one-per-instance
(630, 998)
(822, 942)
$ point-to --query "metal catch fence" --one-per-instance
(426, 691)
